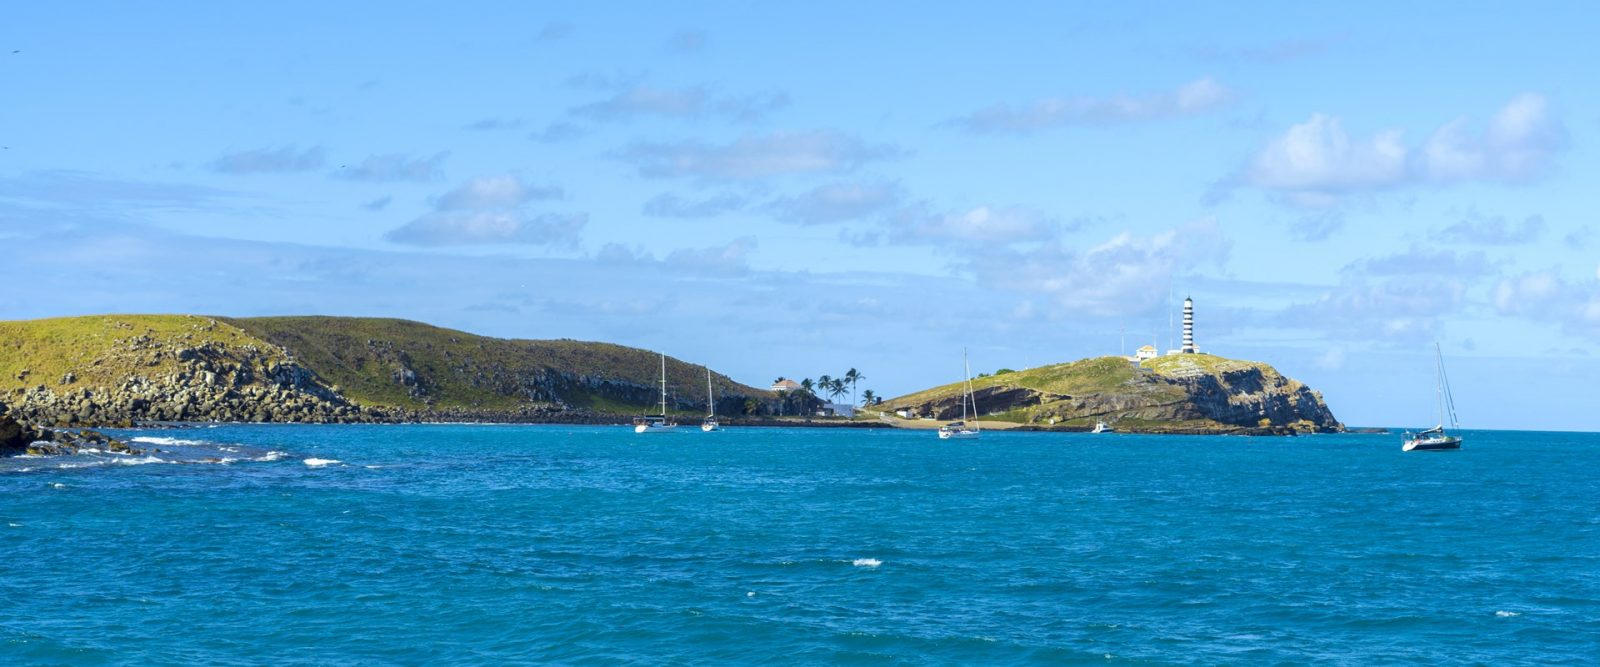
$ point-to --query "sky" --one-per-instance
(796, 190)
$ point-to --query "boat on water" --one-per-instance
(963, 429)
(656, 423)
(1102, 427)
(1436, 438)
(710, 424)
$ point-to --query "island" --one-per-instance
(1190, 393)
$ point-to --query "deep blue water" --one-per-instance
(486, 544)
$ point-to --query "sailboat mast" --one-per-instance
(966, 386)
(711, 404)
(663, 385)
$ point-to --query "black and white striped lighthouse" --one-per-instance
(1188, 327)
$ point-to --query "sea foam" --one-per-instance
(159, 440)
(318, 463)
(866, 562)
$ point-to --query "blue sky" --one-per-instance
(800, 190)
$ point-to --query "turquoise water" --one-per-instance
(485, 544)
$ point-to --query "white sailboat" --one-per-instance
(1102, 427)
(710, 424)
(963, 429)
(656, 423)
(1436, 438)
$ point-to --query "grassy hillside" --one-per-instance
(400, 363)
(103, 350)
(114, 367)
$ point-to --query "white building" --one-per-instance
(784, 384)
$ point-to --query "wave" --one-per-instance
(1507, 614)
(273, 455)
(866, 562)
(318, 463)
(159, 440)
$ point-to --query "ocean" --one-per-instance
(299, 544)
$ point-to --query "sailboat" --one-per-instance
(1436, 438)
(710, 424)
(1102, 427)
(962, 429)
(656, 423)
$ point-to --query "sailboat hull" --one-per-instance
(957, 435)
(1431, 444)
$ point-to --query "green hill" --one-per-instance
(115, 368)
(1175, 393)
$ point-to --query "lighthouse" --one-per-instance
(1188, 327)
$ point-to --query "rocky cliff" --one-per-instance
(1197, 393)
(116, 369)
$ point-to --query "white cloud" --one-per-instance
(1318, 155)
(489, 192)
(756, 156)
(1193, 97)
(1124, 275)
(1317, 161)
(835, 202)
(490, 210)
(1548, 297)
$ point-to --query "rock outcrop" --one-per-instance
(20, 438)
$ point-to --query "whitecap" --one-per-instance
(58, 485)
(270, 456)
(158, 440)
(1507, 614)
(140, 461)
(318, 463)
(15, 525)
(866, 562)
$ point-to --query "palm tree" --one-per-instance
(853, 376)
(867, 396)
(809, 386)
(824, 382)
(835, 388)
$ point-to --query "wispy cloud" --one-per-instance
(285, 159)
(442, 228)
(1478, 229)
(394, 167)
(557, 132)
(691, 102)
(553, 31)
(1197, 96)
(668, 205)
(1270, 53)
(756, 156)
(687, 41)
(836, 202)
(491, 124)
